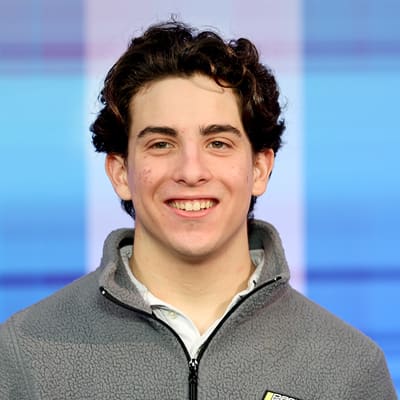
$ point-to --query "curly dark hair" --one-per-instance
(176, 49)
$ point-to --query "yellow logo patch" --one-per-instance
(277, 396)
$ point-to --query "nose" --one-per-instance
(192, 166)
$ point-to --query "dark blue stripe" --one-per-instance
(352, 274)
(10, 280)
(313, 275)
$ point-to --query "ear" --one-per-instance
(263, 164)
(117, 172)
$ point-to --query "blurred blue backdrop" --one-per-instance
(349, 116)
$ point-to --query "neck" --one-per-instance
(201, 289)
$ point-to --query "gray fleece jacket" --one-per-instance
(97, 339)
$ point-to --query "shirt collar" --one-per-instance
(257, 257)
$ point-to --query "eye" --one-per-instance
(161, 145)
(218, 144)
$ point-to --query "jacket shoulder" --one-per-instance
(319, 324)
(23, 332)
(61, 308)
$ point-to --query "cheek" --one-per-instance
(241, 177)
(242, 171)
(141, 171)
(139, 180)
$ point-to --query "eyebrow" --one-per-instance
(163, 130)
(204, 131)
(217, 128)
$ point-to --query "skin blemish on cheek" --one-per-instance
(145, 175)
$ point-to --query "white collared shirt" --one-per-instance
(176, 319)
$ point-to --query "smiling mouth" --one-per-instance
(192, 205)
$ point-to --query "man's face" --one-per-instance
(190, 170)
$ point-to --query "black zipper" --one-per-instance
(193, 377)
(192, 362)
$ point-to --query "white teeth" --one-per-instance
(196, 206)
(192, 205)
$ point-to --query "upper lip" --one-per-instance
(191, 198)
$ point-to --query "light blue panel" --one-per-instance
(352, 81)
(352, 156)
(42, 170)
(353, 197)
(42, 192)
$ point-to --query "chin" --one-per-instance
(196, 254)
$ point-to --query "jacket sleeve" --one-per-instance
(13, 381)
(375, 381)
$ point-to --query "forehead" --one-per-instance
(197, 99)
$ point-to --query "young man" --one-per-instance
(195, 302)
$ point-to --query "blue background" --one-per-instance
(351, 85)
(352, 142)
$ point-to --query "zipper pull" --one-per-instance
(193, 378)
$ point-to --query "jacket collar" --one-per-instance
(115, 280)
(263, 235)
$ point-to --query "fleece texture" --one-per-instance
(97, 339)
